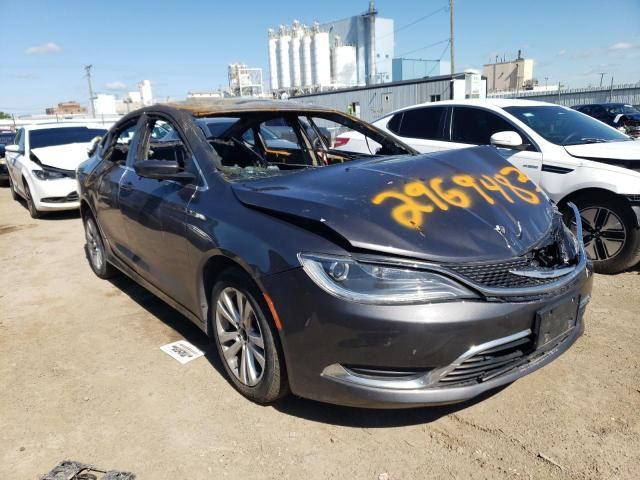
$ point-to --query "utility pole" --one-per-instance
(602, 74)
(559, 87)
(451, 50)
(611, 90)
(493, 87)
(93, 109)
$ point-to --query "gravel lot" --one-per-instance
(83, 378)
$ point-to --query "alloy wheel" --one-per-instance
(604, 233)
(240, 337)
(94, 244)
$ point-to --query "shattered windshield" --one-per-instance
(264, 144)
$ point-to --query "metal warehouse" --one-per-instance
(374, 101)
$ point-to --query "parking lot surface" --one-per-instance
(83, 378)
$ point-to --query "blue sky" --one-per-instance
(182, 46)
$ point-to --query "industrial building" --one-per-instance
(509, 74)
(350, 52)
(244, 81)
(66, 108)
(414, 68)
(374, 101)
(108, 104)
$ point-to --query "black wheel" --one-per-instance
(12, 188)
(33, 210)
(246, 339)
(610, 233)
(94, 248)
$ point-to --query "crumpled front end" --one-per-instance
(528, 311)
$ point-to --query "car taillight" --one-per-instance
(340, 141)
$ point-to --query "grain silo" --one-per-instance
(273, 60)
(321, 57)
(305, 59)
(294, 54)
(284, 70)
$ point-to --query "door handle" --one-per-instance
(127, 186)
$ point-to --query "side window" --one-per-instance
(425, 123)
(165, 144)
(475, 126)
(120, 142)
(394, 124)
(20, 139)
(599, 112)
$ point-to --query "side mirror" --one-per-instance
(93, 145)
(13, 148)
(508, 139)
(163, 170)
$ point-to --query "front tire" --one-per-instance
(610, 232)
(246, 340)
(31, 206)
(94, 248)
(12, 188)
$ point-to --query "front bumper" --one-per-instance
(50, 195)
(328, 342)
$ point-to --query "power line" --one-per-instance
(418, 20)
(446, 40)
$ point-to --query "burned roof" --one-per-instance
(206, 107)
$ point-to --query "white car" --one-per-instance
(573, 157)
(42, 164)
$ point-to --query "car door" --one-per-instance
(423, 128)
(14, 160)
(474, 126)
(119, 145)
(154, 211)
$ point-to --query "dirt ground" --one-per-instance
(82, 377)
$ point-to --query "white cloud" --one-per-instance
(562, 52)
(621, 46)
(44, 49)
(116, 85)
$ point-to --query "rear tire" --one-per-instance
(95, 250)
(610, 232)
(246, 339)
(31, 206)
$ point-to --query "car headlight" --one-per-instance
(48, 174)
(380, 284)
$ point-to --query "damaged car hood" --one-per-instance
(628, 150)
(65, 157)
(460, 205)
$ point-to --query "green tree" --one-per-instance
(4, 116)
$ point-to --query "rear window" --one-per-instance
(50, 137)
(7, 138)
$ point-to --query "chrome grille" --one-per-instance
(488, 363)
(498, 275)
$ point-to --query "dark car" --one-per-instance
(625, 118)
(6, 138)
(376, 280)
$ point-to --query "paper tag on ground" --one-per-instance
(182, 351)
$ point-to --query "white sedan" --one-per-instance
(42, 164)
(573, 157)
